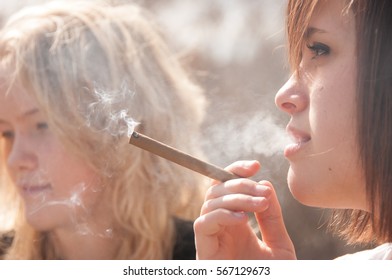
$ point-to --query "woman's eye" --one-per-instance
(318, 49)
(42, 126)
(7, 134)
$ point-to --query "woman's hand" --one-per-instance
(222, 230)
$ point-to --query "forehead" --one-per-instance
(333, 16)
(14, 101)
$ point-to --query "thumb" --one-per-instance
(271, 223)
(243, 169)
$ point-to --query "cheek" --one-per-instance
(67, 173)
(333, 106)
(51, 163)
(76, 185)
(74, 177)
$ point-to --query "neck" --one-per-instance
(86, 242)
(89, 235)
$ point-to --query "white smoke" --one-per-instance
(246, 136)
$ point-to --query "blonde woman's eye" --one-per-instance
(7, 134)
(42, 126)
(318, 49)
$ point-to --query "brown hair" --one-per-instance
(374, 109)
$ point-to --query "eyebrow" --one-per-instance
(311, 30)
(24, 115)
(29, 113)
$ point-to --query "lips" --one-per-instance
(35, 189)
(300, 139)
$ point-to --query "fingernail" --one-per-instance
(257, 201)
(239, 214)
(248, 163)
(263, 190)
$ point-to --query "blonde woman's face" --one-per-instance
(320, 99)
(59, 190)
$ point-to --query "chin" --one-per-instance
(41, 220)
(303, 191)
(310, 195)
(300, 195)
(38, 224)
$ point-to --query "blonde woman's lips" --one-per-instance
(35, 190)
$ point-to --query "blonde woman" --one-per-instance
(75, 80)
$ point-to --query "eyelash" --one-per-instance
(42, 126)
(9, 134)
(318, 49)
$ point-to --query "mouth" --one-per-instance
(33, 190)
(299, 138)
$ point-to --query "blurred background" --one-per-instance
(235, 50)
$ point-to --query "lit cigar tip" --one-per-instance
(134, 135)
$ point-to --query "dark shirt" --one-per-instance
(184, 247)
(5, 242)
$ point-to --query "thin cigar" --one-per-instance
(181, 158)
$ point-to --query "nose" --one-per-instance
(292, 97)
(21, 155)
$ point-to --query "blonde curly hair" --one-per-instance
(90, 66)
